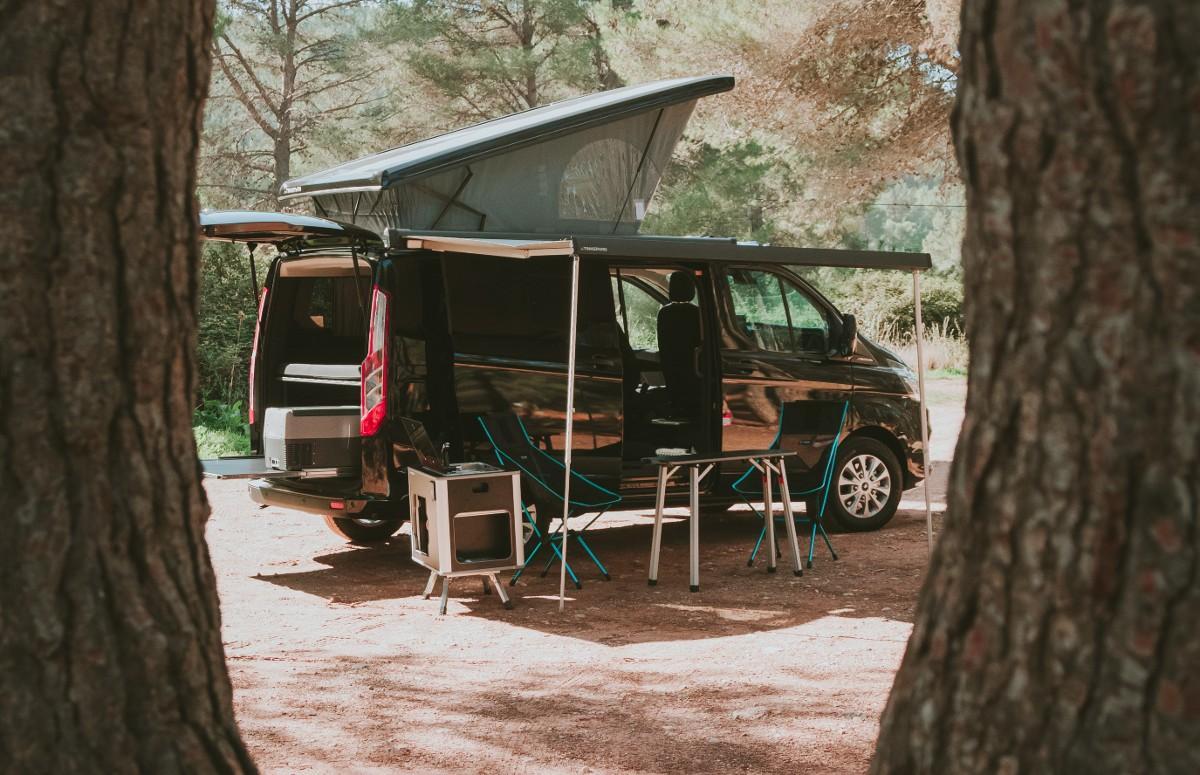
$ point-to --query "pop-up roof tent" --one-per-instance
(582, 166)
(581, 172)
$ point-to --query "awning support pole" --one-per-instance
(926, 454)
(562, 573)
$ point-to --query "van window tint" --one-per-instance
(775, 314)
(327, 304)
(519, 308)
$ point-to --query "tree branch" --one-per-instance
(246, 101)
(249, 68)
(325, 9)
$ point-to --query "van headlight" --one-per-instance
(909, 378)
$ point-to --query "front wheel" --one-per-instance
(865, 491)
(360, 530)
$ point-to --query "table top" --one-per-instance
(719, 457)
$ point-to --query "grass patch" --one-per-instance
(220, 429)
(946, 353)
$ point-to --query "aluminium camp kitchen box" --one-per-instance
(466, 521)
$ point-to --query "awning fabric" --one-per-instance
(503, 248)
(666, 248)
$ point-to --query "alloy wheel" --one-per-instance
(864, 486)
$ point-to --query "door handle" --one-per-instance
(604, 362)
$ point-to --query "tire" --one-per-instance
(363, 531)
(865, 491)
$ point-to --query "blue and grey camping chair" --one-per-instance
(541, 483)
(805, 419)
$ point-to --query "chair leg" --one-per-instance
(512, 582)
(812, 542)
(583, 543)
(557, 554)
(546, 567)
(761, 535)
(828, 543)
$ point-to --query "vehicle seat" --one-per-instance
(679, 344)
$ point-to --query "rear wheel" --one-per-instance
(361, 530)
(865, 491)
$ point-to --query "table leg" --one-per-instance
(694, 527)
(769, 514)
(445, 595)
(499, 590)
(786, 494)
(656, 538)
(429, 584)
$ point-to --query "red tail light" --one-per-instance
(374, 367)
(258, 324)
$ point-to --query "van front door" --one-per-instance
(775, 350)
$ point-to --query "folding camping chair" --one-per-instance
(512, 444)
(805, 418)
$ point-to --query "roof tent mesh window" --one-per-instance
(595, 181)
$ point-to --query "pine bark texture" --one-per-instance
(110, 647)
(1059, 626)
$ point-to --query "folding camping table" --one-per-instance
(768, 461)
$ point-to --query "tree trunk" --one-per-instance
(283, 159)
(110, 645)
(1057, 627)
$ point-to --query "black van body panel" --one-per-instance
(884, 409)
(420, 371)
(445, 370)
(494, 369)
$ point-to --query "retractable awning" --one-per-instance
(501, 248)
(587, 165)
(654, 247)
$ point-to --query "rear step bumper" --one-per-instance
(271, 493)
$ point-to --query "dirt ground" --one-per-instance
(339, 665)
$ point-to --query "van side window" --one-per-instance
(775, 314)
(519, 309)
(637, 313)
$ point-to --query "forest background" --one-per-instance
(836, 135)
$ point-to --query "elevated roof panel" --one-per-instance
(382, 170)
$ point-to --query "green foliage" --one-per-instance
(495, 58)
(882, 301)
(727, 192)
(221, 429)
(227, 313)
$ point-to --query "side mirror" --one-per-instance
(849, 338)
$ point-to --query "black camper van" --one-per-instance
(683, 343)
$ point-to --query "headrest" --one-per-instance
(681, 286)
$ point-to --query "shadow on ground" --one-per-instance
(869, 580)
